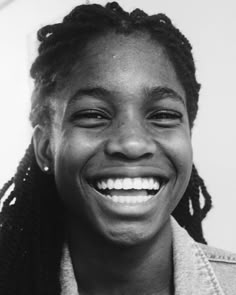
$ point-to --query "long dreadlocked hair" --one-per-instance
(31, 221)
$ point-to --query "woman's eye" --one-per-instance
(89, 118)
(166, 118)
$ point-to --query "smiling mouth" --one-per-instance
(127, 190)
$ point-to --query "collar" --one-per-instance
(193, 273)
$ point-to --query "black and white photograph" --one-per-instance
(117, 155)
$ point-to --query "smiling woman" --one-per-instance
(106, 199)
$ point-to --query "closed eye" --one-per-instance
(89, 118)
(165, 118)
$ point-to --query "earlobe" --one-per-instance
(42, 148)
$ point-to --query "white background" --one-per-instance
(209, 25)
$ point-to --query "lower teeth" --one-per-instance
(130, 200)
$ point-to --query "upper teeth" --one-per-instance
(138, 183)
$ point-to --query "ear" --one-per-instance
(43, 148)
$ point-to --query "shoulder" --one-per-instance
(224, 265)
(218, 255)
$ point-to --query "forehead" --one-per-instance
(126, 63)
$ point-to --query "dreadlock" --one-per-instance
(32, 217)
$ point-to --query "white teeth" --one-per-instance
(117, 184)
(110, 183)
(145, 183)
(129, 183)
(156, 185)
(129, 190)
(129, 200)
(137, 183)
(103, 185)
(151, 182)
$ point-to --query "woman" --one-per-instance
(113, 107)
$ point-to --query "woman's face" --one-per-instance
(121, 138)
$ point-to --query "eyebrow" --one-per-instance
(98, 92)
(154, 93)
(161, 92)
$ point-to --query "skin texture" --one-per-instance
(134, 130)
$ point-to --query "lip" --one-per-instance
(131, 172)
(129, 211)
(129, 204)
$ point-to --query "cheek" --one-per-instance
(183, 152)
(73, 151)
(178, 151)
(178, 148)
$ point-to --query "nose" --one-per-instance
(130, 141)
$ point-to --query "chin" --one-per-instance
(127, 235)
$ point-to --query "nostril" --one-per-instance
(130, 156)
(130, 149)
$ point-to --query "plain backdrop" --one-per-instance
(209, 25)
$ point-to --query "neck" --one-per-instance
(103, 267)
